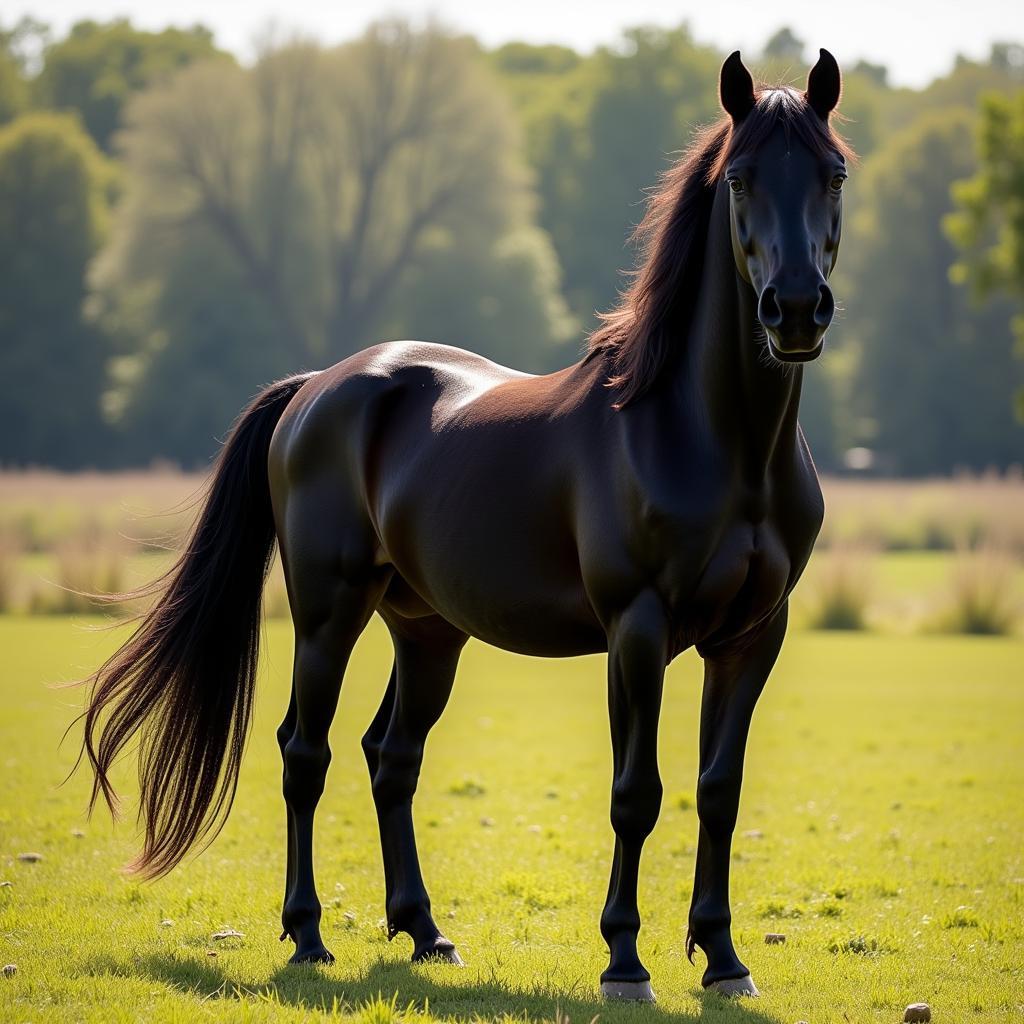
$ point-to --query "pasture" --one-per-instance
(879, 830)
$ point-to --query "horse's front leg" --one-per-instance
(637, 655)
(733, 682)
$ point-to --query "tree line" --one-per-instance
(177, 228)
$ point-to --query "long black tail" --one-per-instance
(185, 679)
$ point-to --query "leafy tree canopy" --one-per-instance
(287, 214)
(54, 193)
(98, 67)
(988, 225)
(935, 370)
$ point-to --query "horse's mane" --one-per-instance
(652, 315)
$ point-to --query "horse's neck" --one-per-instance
(750, 401)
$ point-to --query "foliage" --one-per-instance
(784, 46)
(286, 215)
(13, 89)
(863, 750)
(270, 221)
(599, 134)
(54, 193)
(928, 360)
(19, 48)
(96, 68)
(989, 223)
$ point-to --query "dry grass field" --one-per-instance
(942, 555)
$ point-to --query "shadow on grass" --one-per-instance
(446, 992)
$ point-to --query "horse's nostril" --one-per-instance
(768, 310)
(826, 307)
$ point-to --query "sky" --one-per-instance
(916, 39)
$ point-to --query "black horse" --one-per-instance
(657, 495)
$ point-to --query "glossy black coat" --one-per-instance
(459, 498)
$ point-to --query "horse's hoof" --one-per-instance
(628, 991)
(441, 951)
(314, 955)
(734, 987)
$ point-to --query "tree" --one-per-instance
(934, 372)
(988, 225)
(495, 297)
(600, 134)
(54, 188)
(97, 68)
(314, 191)
(878, 73)
(18, 48)
(784, 47)
(13, 89)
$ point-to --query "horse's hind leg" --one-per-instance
(332, 600)
(374, 736)
(422, 680)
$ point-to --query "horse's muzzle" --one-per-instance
(796, 320)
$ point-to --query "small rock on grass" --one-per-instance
(78, 833)
(166, 923)
(6, 885)
(227, 933)
(774, 939)
(917, 1013)
(10, 970)
(753, 833)
(30, 858)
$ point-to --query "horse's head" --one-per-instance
(785, 170)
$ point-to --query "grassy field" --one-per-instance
(879, 830)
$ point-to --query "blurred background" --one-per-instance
(190, 210)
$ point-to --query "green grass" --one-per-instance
(879, 831)
(906, 573)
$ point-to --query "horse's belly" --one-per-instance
(549, 619)
(506, 572)
(549, 629)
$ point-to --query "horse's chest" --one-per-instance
(740, 577)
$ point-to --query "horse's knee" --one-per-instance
(398, 770)
(718, 791)
(305, 769)
(636, 804)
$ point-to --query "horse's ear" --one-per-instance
(824, 84)
(736, 88)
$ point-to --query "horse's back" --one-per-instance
(460, 472)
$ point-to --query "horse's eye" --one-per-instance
(736, 186)
(836, 184)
